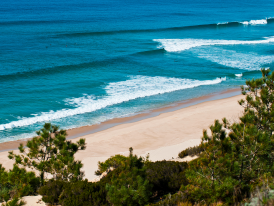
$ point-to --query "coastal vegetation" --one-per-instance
(50, 152)
(234, 165)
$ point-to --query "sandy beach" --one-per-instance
(162, 133)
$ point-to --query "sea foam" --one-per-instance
(246, 61)
(177, 45)
(116, 93)
(255, 22)
(239, 75)
(222, 23)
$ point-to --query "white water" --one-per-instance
(222, 23)
(255, 22)
(117, 92)
(177, 45)
(230, 58)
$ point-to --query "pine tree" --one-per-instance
(50, 152)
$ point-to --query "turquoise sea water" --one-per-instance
(76, 63)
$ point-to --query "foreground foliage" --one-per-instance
(191, 151)
(17, 183)
(136, 181)
(50, 152)
(114, 161)
(166, 176)
(14, 202)
(240, 155)
(172, 200)
(129, 186)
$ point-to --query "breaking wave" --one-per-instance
(117, 92)
(246, 61)
(255, 22)
(177, 45)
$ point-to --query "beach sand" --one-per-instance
(162, 133)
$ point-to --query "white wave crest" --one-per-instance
(247, 61)
(239, 75)
(117, 92)
(177, 45)
(255, 22)
(221, 23)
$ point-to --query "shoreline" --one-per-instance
(91, 129)
(161, 133)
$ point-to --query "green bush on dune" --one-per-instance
(129, 186)
(16, 183)
(191, 151)
(80, 193)
(83, 193)
(52, 190)
(172, 200)
(166, 176)
(109, 190)
(162, 177)
(114, 161)
(14, 202)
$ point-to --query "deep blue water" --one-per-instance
(76, 63)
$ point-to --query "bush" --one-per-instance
(129, 185)
(166, 176)
(52, 190)
(84, 193)
(14, 202)
(17, 183)
(114, 161)
(77, 193)
(172, 200)
(191, 151)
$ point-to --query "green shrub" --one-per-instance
(76, 193)
(14, 202)
(129, 185)
(171, 200)
(17, 183)
(191, 151)
(52, 190)
(84, 193)
(4, 194)
(114, 161)
(166, 176)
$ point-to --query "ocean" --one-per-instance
(76, 63)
